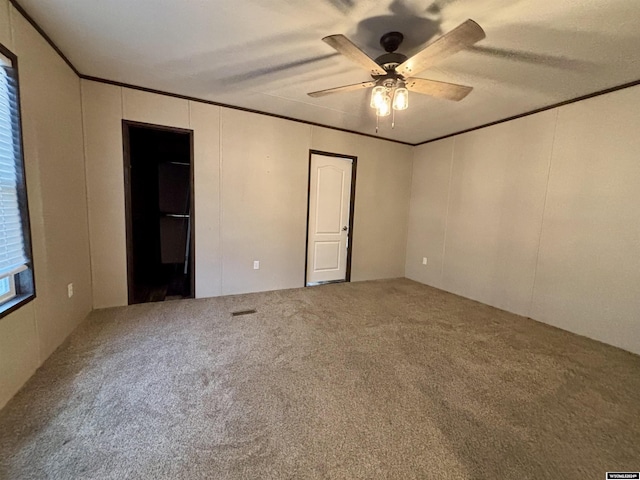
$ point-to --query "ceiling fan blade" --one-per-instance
(347, 48)
(461, 37)
(450, 91)
(345, 88)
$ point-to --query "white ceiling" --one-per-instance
(267, 54)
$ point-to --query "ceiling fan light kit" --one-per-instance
(378, 96)
(401, 98)
(391, 71)
(382, 95)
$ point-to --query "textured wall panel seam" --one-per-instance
(11, 29)
(406, 243)
(36, 329)
(544, 209)
(189, 115)
(86, 188)
(122, 105)
(446, 215)
(408, 215)
(220, 200)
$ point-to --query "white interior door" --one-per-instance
(329, 207)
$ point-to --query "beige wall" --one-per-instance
(251, 174)
(264, 201)
(538, 216)
(496, 198)
(205, 120)
(588, 275)
(428, 211)
(53, 150)
(102, 114)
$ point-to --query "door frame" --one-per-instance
(352, 201)
(126, 125)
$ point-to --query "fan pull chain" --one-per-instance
(393, 118)
(377, 121)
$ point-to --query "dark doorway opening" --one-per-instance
(158, 165)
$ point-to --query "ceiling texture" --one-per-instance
(267, 54)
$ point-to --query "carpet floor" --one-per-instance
(382, 379)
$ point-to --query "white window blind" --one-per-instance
(12, 249)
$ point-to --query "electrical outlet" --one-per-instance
(424, 260)
(256, 264)
(70, 290)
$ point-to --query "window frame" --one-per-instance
(24, 278)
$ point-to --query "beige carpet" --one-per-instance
(385, 379)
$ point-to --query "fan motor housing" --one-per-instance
(389, 61)
(390, 80)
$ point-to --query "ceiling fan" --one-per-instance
(393, 72)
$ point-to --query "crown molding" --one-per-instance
(537, 110)
(33, 23)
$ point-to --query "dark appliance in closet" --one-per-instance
(158, 186)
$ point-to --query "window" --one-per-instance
(16, 272)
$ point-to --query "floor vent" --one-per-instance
(242, 312)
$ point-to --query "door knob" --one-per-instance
(344, 229)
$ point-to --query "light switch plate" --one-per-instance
(256, 264)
